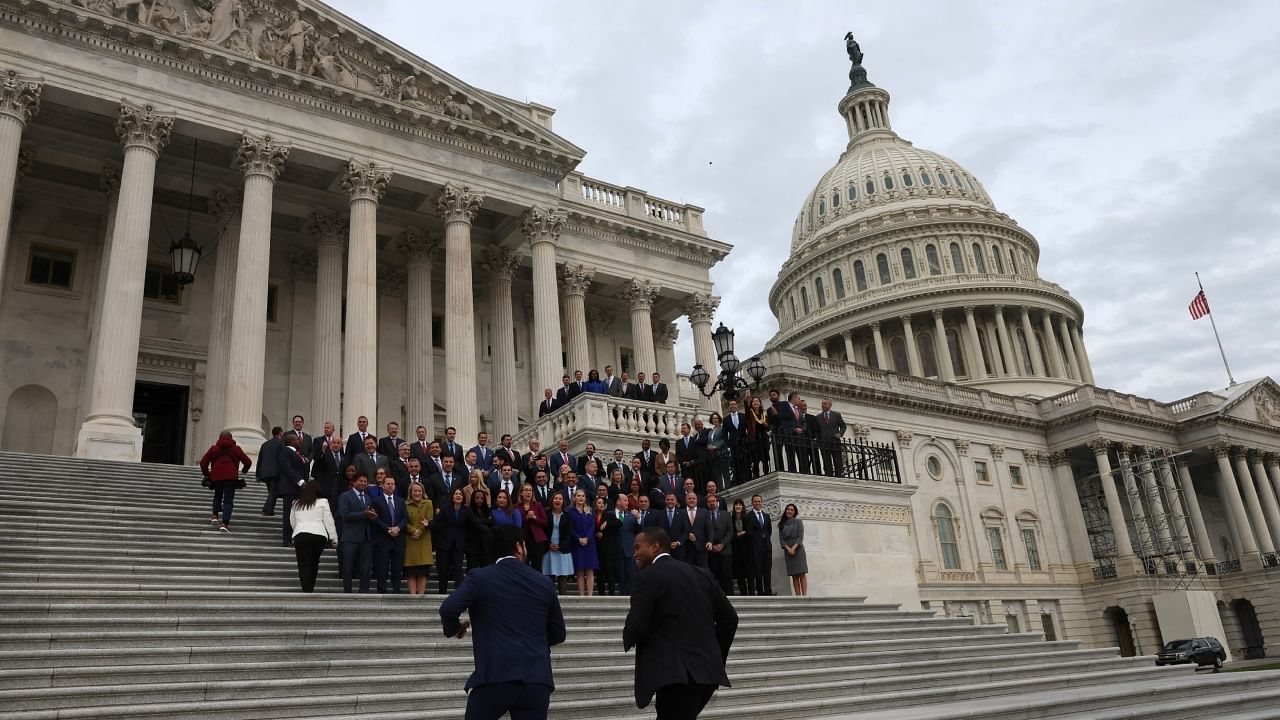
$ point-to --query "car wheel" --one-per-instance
(1217, 664)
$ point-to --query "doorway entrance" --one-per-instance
(1119, 621)
(161, 411)
(1254, 646)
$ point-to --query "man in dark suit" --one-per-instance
(636, 471)
(630, 524)
(388, 537)
(355, 510)
(560, 458)
(686, 450)
(528, 459)
(589, 456)
(534, 465)
(306, 447)
(293, 473)
(433, 463)
(387, 445)
(697, 538)
(548, 404)
(672, 519)
(807, 453)
(268, 469)
(627, 389)
(326, 469)
(369, 459)
(670, 482)
(735, 429)
(451, 446)
(644, 391)
(659, 389)
(440, 487)
(791, 431)
(565, 392)
(398, 466)
(576, 388)
(504, 479)
(610, 382)
(355, 441)
(421, 447)
(542, 490)
(831, 429)
(648, 457)
(508, 454)
(322, 444)
(484, 453)
(682, 627)
(720, 552)
(760, 539)
(516, 618)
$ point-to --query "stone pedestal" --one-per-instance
(857, 535)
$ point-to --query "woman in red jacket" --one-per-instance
(221, 466)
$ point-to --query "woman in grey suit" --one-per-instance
(791, 537)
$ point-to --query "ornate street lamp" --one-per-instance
(729, 382)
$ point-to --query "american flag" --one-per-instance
(1199, 306)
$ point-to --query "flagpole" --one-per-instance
(1222, 352)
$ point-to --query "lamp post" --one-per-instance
(729, 383)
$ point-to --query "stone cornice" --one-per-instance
(700, 251)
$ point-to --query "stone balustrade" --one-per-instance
(1089, 396)
(606, 419)
(579, 189)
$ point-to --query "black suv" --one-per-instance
(1200, 651)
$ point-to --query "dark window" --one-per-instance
(835, 199)
(906, 179)
(852, 192)
(979, 263)
(957, 257)
(837, 282)
(882, 266)
(1013, 261)
(872, 359)
(888, 182)
(273, 302)
(859, 276)
(820, 291)
(871, 187)
(792, 299)
(931, 257)
(928, 356)
(953, 349)
(926, 178)
(942, 178)
(908, 264)
(898, 355)
(437, 331)
(626, 361)
(822, 207)
(997, 261)
(161, 285)
(804, 300)
(51, 267)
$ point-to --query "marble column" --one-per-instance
(1008, 352)
(364, 184)
(574, 282)
(1179, 530)
(850, 354)
(542, 227)
(1056, 368)
(1069, 351)
(943, 350)
(329, 228)
(108, 431)
(1033, 347)
(109, 183)
(882, 356)
(1160, 518)
(500, 269)
(261, 160)
(1115, 512)
(1252, 502)
(419, 251)
(1273, 470)
(1141, 524)
(1229, 491)
(225, 205)
(1082, 355)
(978, 365)
(914, 365)
(19, 102)
(700, 309)
(823, 352)
(1204, 542)
(458, 206)
(1270, 507)
(640, 295)
(993, 347)
(1072, 512)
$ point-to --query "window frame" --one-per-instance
(981, 473)
(36, 247)
(947, 519)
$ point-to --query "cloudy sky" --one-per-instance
(1139, 142)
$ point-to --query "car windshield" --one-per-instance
(1178, 646)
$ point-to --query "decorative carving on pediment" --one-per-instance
(1268, 407)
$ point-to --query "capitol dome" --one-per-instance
(900, 261)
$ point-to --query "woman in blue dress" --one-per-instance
(503, 513)
(585, 559)
(558, 562)
(593, 383)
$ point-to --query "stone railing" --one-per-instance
(602, 417)
(1087, 396)
(631, 202)
(1199, 401)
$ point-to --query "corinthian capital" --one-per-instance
(541, 224)
(701, 308)
(575, 279)
(225, 205)
(109, 180)
(458, 204)
(1099, 446)
(260, 156)
(328, 226)
(417, 246)
(19, 99)
(302, 263)
(639, 293)
(142, 127)
(365, 181)
(501, 263)
(666, 335)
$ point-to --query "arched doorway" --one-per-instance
(30, 418)
(1254, 646)
(1119, 621)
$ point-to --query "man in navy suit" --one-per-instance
(517, 618)
(355, 441)
(388, 537)
(631, 524)
(760, 540)
(355, 510)
(484, 453)
(293, 472)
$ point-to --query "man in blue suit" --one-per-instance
(631, 524)
(388, 537)
(355, 510)
(517, 618)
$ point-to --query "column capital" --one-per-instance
(1239, 453)
(328, 226)
(1271, 459)
(997, 451)
(1025, 311)
(1124, 448)
(1100, 446)
(998, 308)
(500, 262)
(302, 264)
(875, 326)
(417, 246)
(391, 279)
(575, 279)
(639, 293)
(365, 181)
(224, 204)
(968, 310)
(109, 180)
(937, 314)
(458, 204)
(1220, 450)
(542, 224)
(19, 99)
(962, 446)
(861, 430)
(260, 156)
(1057, 458)
(142, 127)
(1255, 456)
(905, 320)
(666, 335)
(701, 307)
(1182, 461)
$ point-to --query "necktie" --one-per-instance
(371, 457)
(362, 504)
(692, 515)
(826, 417)
(506, 485)
(714, 514)
(391, 508)
(760, 518)
(671, 517)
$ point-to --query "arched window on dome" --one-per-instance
(979, 262)
(822, 207)
(820, 292)
(872, 359)
(851, 192)
(942, 178)
(898, 354)
(906, 179)
(956, 179)
(1024, 352)
(957, 257)
(996, 261)
(804, 299)
(870, 186)
(837, 282)
(957, 353)
(931, 257)
(925, 178)
(792, 300)
(928, 357)
(835, 199)
(908, 264)
(948, 538)
(882, 267)
(1013, 262)
(888, 181)
(859, 276)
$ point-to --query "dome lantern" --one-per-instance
(865, 108)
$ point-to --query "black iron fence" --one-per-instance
(853, 459)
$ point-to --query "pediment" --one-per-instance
(1258, 404)
(315, 48)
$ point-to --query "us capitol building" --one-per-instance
(217, 213)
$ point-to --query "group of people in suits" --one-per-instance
(642, 388)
